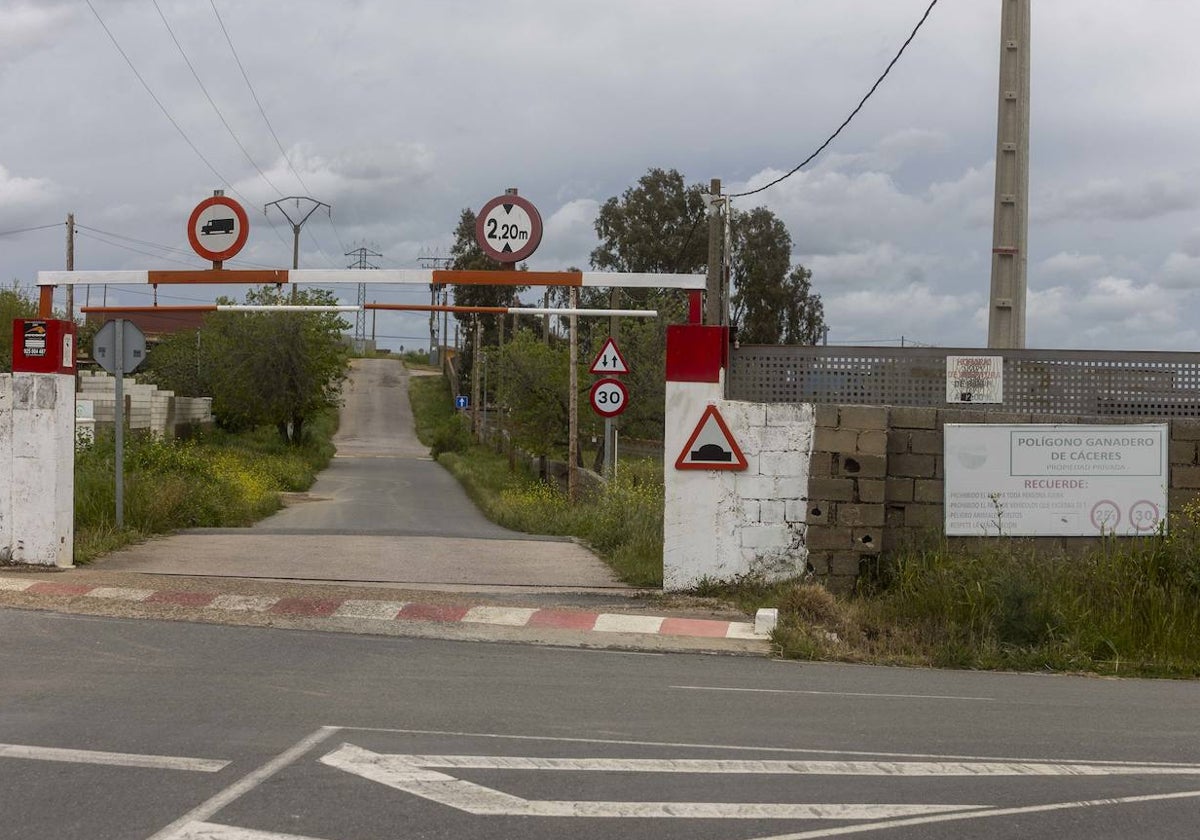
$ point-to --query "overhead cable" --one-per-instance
(257, 101)
(162, 107)
(211, 102)
(853, 113)
(28, 229)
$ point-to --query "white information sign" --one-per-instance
(1055, 481)
(974, 379)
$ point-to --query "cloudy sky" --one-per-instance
(401, 113)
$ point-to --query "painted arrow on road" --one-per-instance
(414, 774)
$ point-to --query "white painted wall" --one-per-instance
(720, 524)
(5, 466)
(41, 506)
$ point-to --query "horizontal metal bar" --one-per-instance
(399, 276)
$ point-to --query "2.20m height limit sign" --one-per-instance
(508, 228)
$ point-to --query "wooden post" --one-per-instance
(573, 404)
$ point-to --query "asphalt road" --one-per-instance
(115, 728)
(383, 512)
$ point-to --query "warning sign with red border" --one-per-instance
(609, 361)
(711, 446)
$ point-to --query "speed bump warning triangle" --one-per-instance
(711, 446)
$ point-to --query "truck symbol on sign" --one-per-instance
(217, 226)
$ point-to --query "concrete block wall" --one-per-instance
(865, 500)
(147, 407)
(846, 491)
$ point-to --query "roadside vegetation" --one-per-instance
(1127, 608)
(220, 479)
(275, 380)
(622, 523)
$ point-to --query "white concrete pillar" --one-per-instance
(43, 468)
(6, 452)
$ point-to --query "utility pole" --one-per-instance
(573, 403)
(296, 223)
(70, 265)
(716, 238)
(476, 355)
(435, 262)
(1010, 224)
(360, 317)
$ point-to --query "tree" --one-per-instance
(468, 256)
(261, 368)
(770, 304)
(14, 303)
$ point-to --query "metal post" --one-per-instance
(1010, 223)
(573, 404)
(610, 462)
(119, 422)
(70, 265)
(475, 377)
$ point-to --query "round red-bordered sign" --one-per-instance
(609, 397)
(508, 228)
(222, 221)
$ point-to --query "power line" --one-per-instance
(162, 107)
(257, 102)
(211, 102)
(113, 244)
(853, 113)
(168, 248)
(28, 229)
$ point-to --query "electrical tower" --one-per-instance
(1010, 225)
(436, 261)
(360, 317)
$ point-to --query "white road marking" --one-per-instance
(833, 693)
(119, 593)
(507, 616)
(817, 768)
(380, 610)
(563, 739)
(742, 630)
(409, 774)
(244, 785)
(249, 603)
(11, 585)
(615, 623)
(990, 812)
(213, 831)
(159, 762)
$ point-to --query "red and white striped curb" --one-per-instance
(398, 610)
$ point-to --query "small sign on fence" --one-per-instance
(974, 379)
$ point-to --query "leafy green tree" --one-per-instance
(261, 368)
(536, 388)
(468, 256)
(14, 303)
(772, 303)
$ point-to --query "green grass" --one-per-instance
(1128, 607)
(215, 480)
(622, 524)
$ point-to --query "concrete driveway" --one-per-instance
(383, 512)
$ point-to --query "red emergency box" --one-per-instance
(43, 345)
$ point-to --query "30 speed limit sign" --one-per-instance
(609, 397)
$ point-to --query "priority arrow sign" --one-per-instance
(609, 360)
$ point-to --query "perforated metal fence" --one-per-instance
(1068, 382)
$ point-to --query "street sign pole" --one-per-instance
(119, 422)
(610, 455)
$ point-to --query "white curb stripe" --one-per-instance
(11, 585)
(249, 603)
(212, 831)
(378, 610)
(158, 762)
(742, 630)
(508, 616)
(613, 623)
(119, 593)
